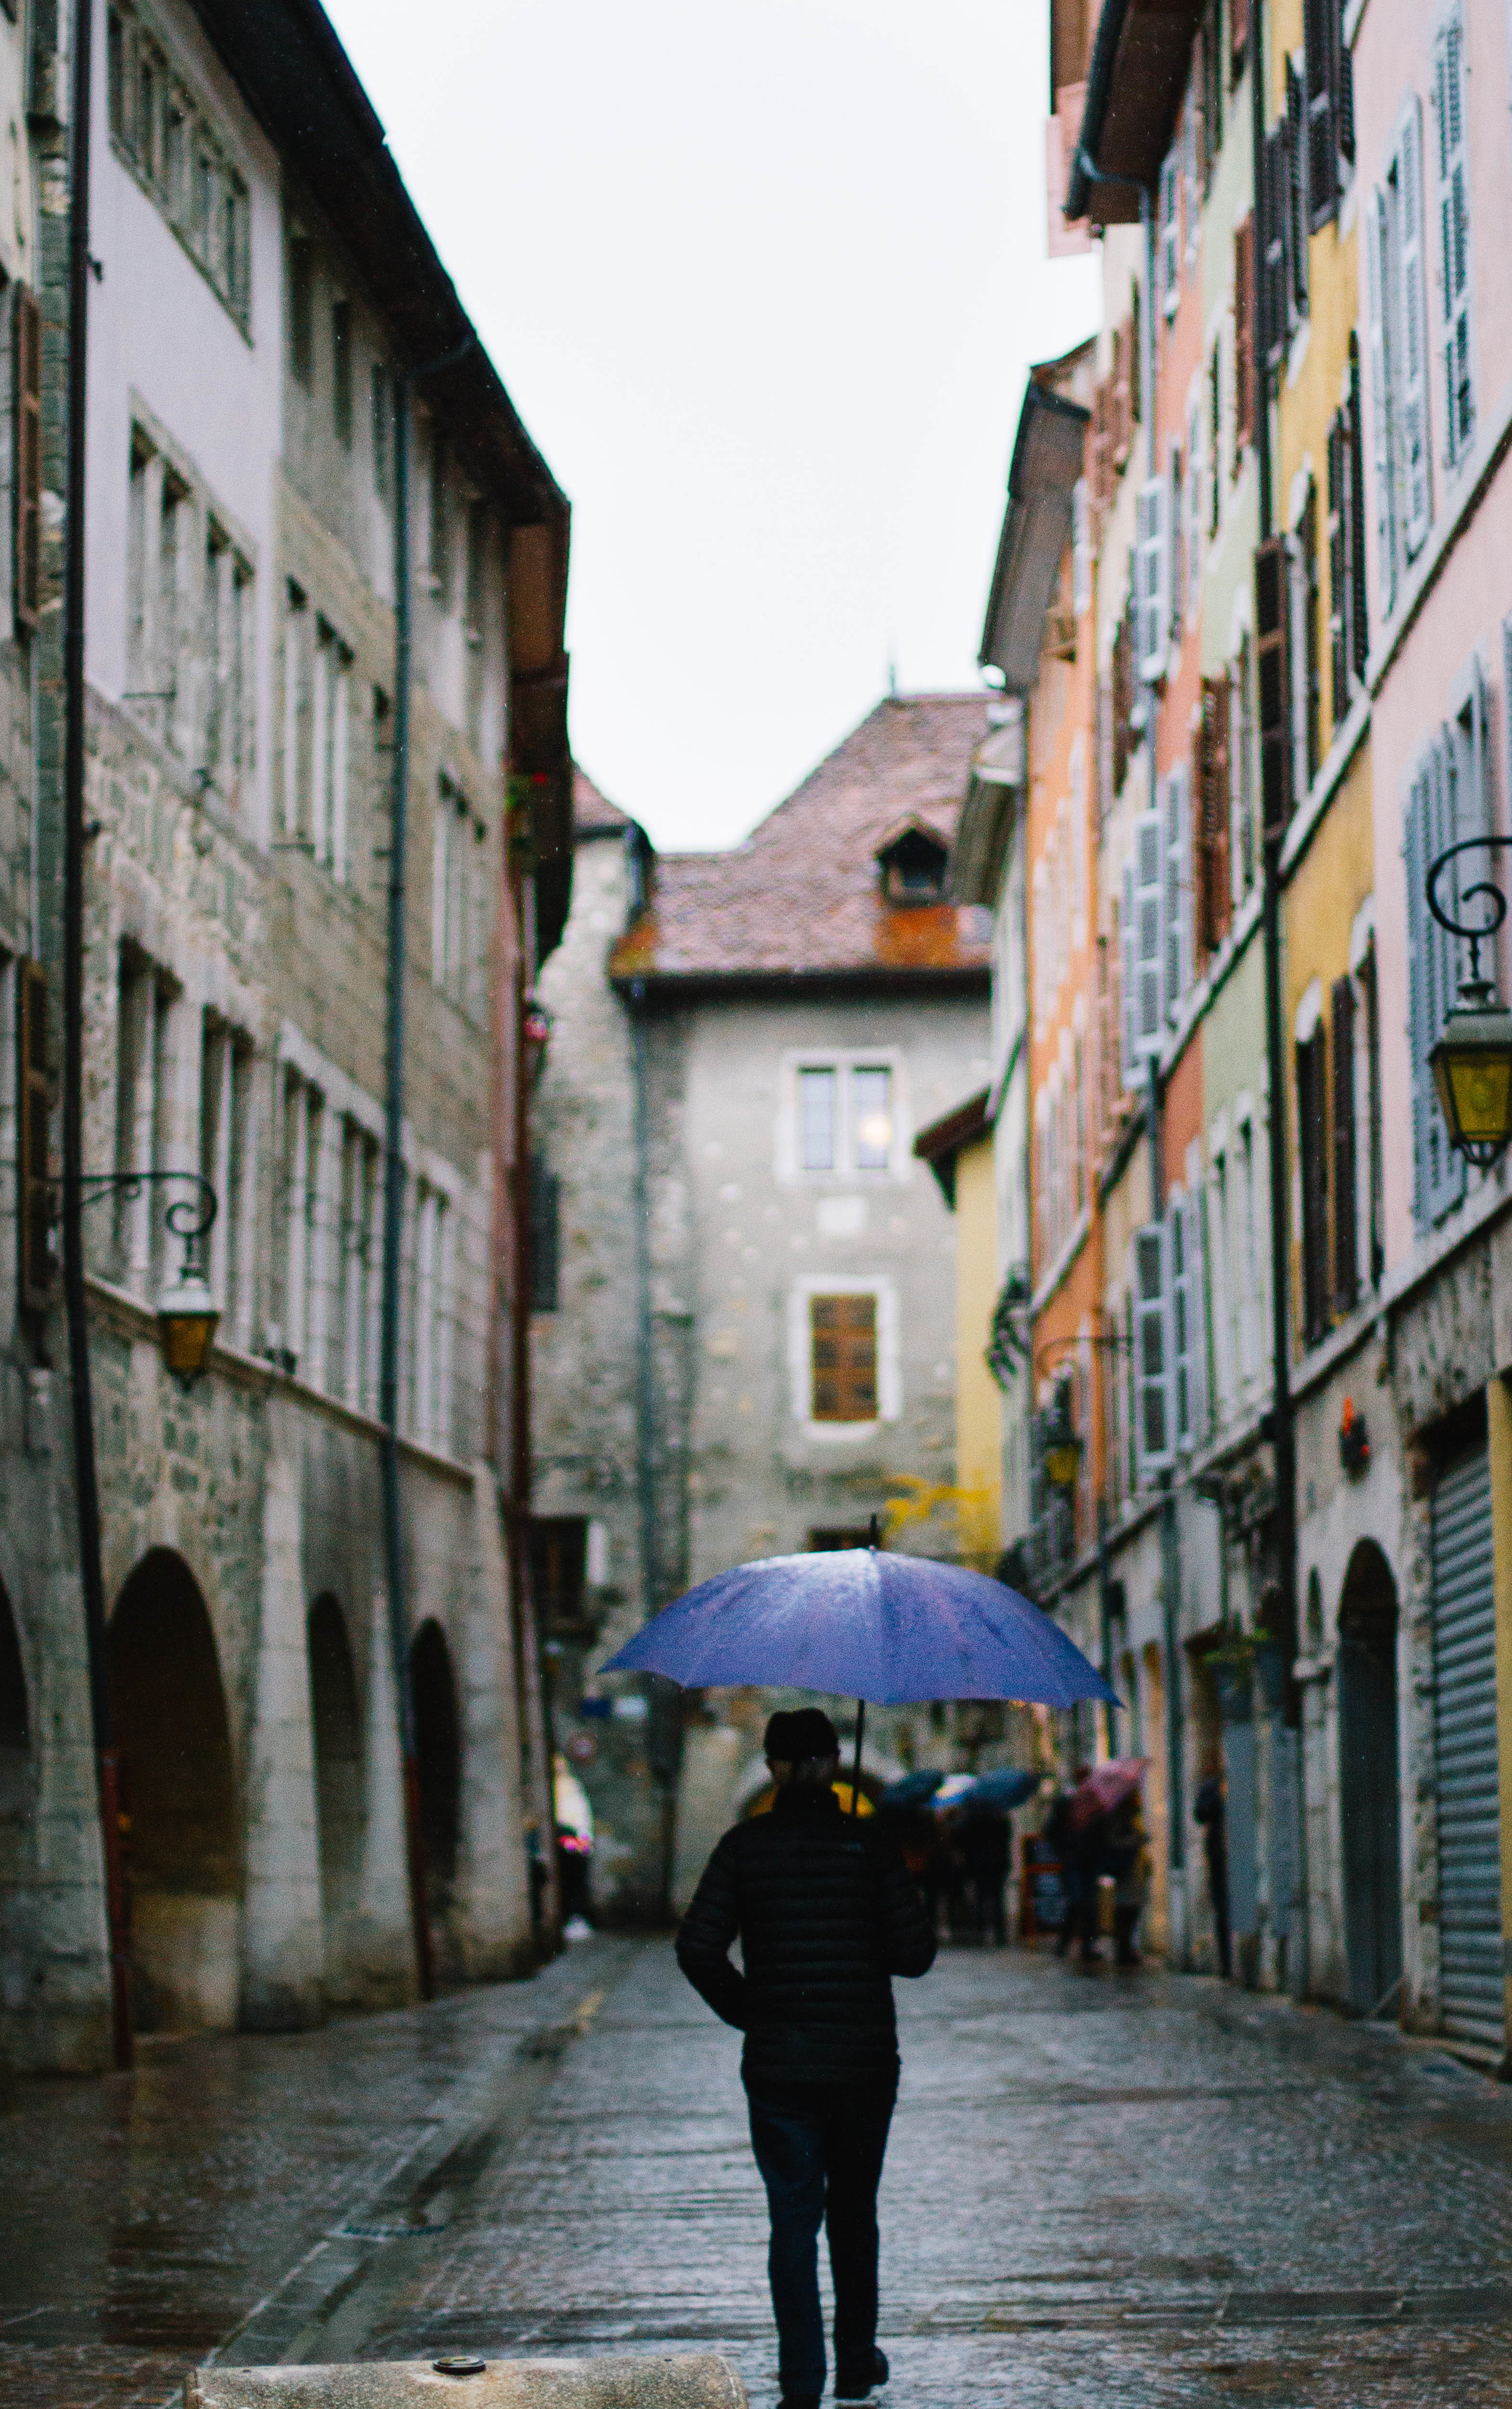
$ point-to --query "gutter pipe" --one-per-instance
(86, 1475)
(1282, 1418)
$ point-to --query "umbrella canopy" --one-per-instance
(913, 1789)
(1005, 1786)
(858, 1623)
(1106, 1788)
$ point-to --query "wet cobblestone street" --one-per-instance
(1110, 2191)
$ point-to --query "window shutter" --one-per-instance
(1154, 578)
(1129, 980)
(1150, 1284)
(1416, 859)
(1434, 818)
(33, 1193)
(1311, 728)
(1320, 41)
(1214, 881)
(1125, 368)
(1238, 36)
(1355, 464)
(1178, 916)
(1345, 1178)
(1410, 371)
(1454, 225)
(1345, 97)
(26, 481)
(1312, 1142)
(1338, 563)
(1122, 700)
(1272, 671)
(1243, 336)
(843, 1340)
(1296, 190)
(1275, 270)
(1150, 912)
(1381, 282)
(1188, 1331)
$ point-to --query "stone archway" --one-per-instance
(1370, 1810)
(439, 1758)
(183, 1838)
(337, 1727)
(14, 1752)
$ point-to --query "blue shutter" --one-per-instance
(1436, 816)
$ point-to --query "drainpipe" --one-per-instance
(536, 1702)
(86, 1476)
(667, 1732)
(388, 1376)
(1283, 1426)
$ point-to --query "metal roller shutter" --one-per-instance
(1465, 1684)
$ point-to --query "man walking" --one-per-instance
(826, 1914)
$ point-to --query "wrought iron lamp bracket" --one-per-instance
(1487, 887)
(189, 1218)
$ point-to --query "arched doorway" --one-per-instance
(337, 1735)
(15, 1751)
(182, 1844)
(1369, 1787)
(439, 1755)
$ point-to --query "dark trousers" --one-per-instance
(820, 2155)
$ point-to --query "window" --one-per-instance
(1273, 673)
(1177, 916)
(1373, 1229)
(358, 1293)
(440, 523)
(1243, 342)
(1307, 679)
(1153, 578)
(1167, 256)
(545, 1237)
(189, 621)
(1215, 440)
(1454, 237)
(1345, 1149)
(295, 703)
(26, 481)
(1399, 385)
(302, 309)
(1242, 771)
(1150, 1285)
(1188, 1333)
(341, 371)
(331, 716)
(228, 629)
(145, 1031)
(295, 1337)
(1448, 801)
(460, 923)
(1247, 1255)
(1215, 819)
(1312, 1148)
(843, 1358)
(1296, 161)
(845, 1118)
(1330, 109)
(1349, 626)
(381, 405)
(162, 133)
(1143, 945)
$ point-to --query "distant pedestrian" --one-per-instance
(1126, 1857)
(985, 1845)
(825, 1913)
(1078, 1845)
(1208, 1808)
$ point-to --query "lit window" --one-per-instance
(816, 1119)
(871, 1115)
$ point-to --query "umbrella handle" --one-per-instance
(855, 1768)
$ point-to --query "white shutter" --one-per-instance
(1153, 590)
(1454, 236)
(1188, 1333)
(1129, 977)
(1412, 364)
(1178, 885)
(1149, 914)
(1382, 318)
(1151, 1287)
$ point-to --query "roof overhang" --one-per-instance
(942, 1142)
(1141, 57)
(1036, 529)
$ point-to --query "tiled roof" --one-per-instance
(802, 896)
(591, 811)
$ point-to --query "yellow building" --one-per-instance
(959, 1150)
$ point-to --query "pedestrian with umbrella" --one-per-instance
(822, 1906)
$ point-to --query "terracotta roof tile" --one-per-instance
(802, 894)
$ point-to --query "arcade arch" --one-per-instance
(337, 1727)
(439, 1757)
(1370, 1810)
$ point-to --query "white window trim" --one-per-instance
(800, 1364)
(788, 1169)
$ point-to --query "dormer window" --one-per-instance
(912, 863)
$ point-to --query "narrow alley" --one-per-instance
(1109, 2191)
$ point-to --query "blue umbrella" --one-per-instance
(911, 1790)
(859, 1623)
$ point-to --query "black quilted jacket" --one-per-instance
(826, 1914)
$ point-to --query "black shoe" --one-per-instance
(858, 2383)
(798, 2400)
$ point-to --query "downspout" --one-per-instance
(1283, 1426)
(538, 1716)
(645, 1418)
(86, 1475)
(388, 1377)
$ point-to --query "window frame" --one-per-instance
(890, 1381)
(843, 1064)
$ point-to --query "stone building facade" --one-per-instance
(784, 1017)
(249, 336)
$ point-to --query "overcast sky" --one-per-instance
(763, 277)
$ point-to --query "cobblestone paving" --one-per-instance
(1101, 2191)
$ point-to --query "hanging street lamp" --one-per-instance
(1472, 1056)
(187, 1313)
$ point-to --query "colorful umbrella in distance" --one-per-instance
(1106, 1787)
(859, 1623)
